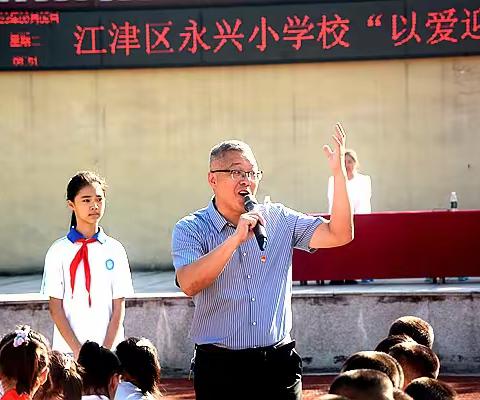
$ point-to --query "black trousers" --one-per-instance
(261, 373)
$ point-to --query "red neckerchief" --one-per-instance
(82, 255)
(13, 395)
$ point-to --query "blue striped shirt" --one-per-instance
(249, 304)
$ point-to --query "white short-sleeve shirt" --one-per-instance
(110, 279)
(128, 391)
(359, 190)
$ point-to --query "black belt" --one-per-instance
(211, 348)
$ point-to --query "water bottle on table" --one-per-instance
(454, 207)
(453, 201)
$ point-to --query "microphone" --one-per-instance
(249, 203)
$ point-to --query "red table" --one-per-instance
(414, 244)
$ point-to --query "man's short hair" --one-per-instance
(386, 344)
(416, 360)
(430, 389)
(218, 151)
(378, 361)
(418, 329)
(363, 384)
(400, 395)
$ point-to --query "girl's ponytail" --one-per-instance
(64, 379)
(139, 358)
(73, 221)
(23, 357)
(28, 365)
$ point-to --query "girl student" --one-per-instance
(86, 274)
(64, 379)
(140, 370)
(100, 371)
(24, 363)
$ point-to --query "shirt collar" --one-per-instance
(218, 219)
(74, 235)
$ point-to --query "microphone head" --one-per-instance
(249, 201)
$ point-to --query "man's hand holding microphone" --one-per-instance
(251, 223)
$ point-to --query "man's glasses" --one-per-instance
(237, 174)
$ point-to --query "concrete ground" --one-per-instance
(164, 282)
(143, 282)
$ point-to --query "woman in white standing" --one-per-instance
(359, 186)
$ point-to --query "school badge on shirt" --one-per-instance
(109, 264)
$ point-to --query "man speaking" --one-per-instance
(243, 317)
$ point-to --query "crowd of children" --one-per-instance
(403, 366)
(30, 370)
